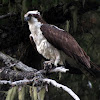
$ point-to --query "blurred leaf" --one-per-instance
(83, 2)
(41, 94)
(24, 93)
(5, 1)
(35, 3)
(74, 17)
(18, 1)
(26, 5)
(67, 26)
(35, 94)
(12, 94)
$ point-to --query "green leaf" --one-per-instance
(12, 94)
(41, 94)
(24, 93)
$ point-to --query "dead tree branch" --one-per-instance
(7, 15)
(65, 88)
(13, 75)
(48, 81)
(11, 62)
(28, 75)
(16, 83)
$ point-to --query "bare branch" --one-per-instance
(65, 88)
(18, 83)
(59, 69)
(11, 62)
(7, 15)
(29, 75)
(28, 72)
(9, 74)
(48, 81)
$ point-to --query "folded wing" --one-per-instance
(62, 40)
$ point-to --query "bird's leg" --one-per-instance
(57, 60)
(53, 62)
(48, 64)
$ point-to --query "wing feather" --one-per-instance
(65, 42)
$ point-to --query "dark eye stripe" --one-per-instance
(29, 15)
(35, 15)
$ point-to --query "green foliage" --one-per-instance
(12, 94)
(67, 26)
(41, 94)
(18, 1)
(74, 17)
(12, 6)
(36, 3)
(24, 93)
(37, 95)
(5, 1)
(88, 37)
(26, 5)
(83, 2)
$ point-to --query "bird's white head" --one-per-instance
(33, 16)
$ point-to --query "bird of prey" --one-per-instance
(55, 44)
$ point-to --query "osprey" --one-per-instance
(54, 43)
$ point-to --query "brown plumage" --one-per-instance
(52, 43)
(65, 42)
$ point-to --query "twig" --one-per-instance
(7, 15)
(36, 76)
(48, 81)
(59, 69)
(65, 88)
(18, 83)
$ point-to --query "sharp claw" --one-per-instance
(47, 65)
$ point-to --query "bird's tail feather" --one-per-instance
(95, 69)
(89, 68)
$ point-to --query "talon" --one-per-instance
(48, 65)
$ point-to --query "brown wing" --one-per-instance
(65, 42)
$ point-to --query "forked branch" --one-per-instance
(28, 75)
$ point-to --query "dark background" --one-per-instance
(80, 17)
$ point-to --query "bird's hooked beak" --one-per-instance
(27, 18)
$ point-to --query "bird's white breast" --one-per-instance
(42, 45)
